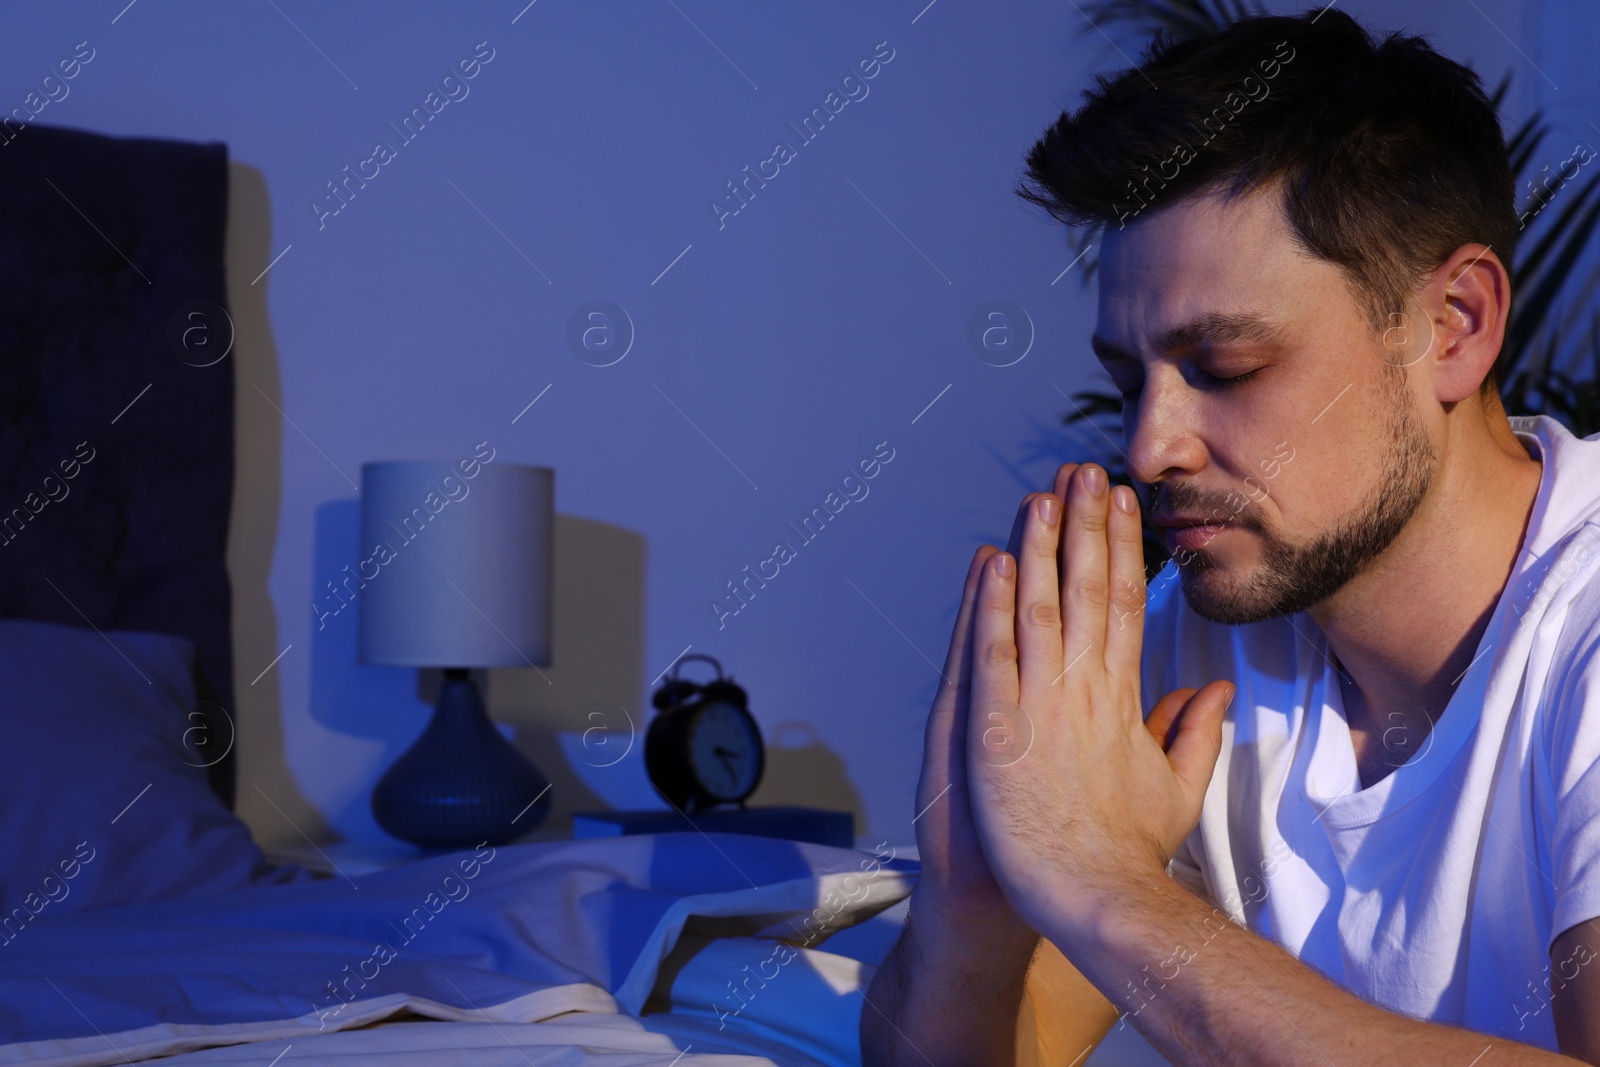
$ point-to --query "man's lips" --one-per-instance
(1188, 532)
(1195, 537)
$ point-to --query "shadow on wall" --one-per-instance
(263, 773)
(582, 719)
(801, 770)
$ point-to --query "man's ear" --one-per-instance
(1467, 303)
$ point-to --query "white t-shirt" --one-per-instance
(1437, 891)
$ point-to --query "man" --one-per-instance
(1385, 846)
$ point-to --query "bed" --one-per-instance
(628, 950)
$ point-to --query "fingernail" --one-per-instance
(1049, 509)
(1094, 479)
(1003, 565)
(1232, 689)
(1124, 498)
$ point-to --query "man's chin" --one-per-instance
(1219, 593)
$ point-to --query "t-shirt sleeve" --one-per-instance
(1570, 800)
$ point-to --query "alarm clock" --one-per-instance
(703, 748)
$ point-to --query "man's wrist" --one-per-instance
(952, 985)
(1103, 928)
(941, 935)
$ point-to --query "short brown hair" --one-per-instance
(1390, 156)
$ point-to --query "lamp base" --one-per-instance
(461, 784)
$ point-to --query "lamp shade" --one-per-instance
(457, 568)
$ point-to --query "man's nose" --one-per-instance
(1160, 430)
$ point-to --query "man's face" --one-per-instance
(1307, 469)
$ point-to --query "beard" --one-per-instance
(1292, 578)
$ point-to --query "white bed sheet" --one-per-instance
(788, 1029)
(683, 948)
(527, 934)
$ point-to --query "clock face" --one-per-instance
(725, 751)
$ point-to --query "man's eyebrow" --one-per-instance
(1213, 328)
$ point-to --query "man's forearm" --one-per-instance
(946, 995)
(1202, 990)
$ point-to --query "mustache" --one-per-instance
(1234, 508)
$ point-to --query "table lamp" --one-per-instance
(459, 576)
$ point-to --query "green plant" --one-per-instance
(1533, 379)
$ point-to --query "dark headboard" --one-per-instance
(112, 321)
